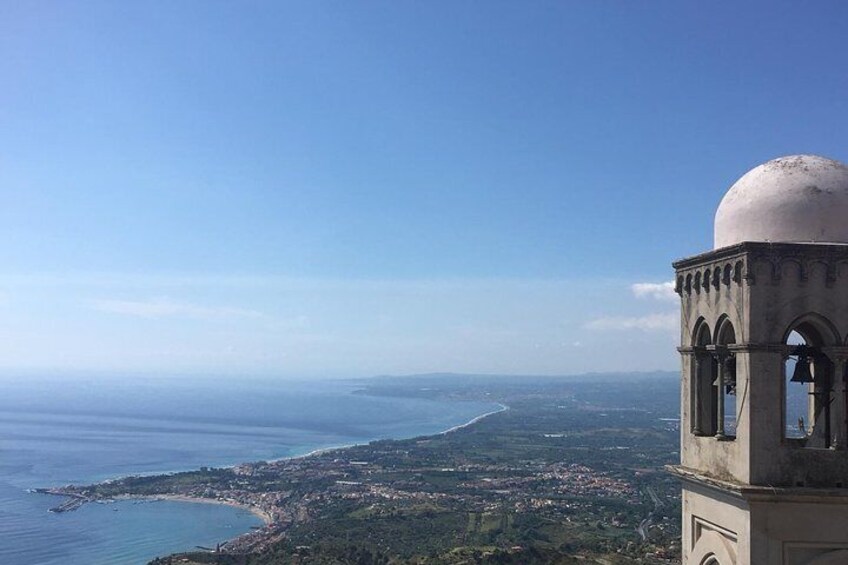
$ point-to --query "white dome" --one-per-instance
(798, 199)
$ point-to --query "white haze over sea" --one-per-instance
(59, 431)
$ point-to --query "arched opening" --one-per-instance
(712, 548)
(808, 385)
(726, 380)
(796, 400)
(728, 275)
(704, 391)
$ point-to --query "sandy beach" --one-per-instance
(256, 511)
(476, 419)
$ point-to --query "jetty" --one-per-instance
(73, 501)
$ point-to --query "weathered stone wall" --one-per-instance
(765, 290)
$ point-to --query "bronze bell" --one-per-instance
(802, 372)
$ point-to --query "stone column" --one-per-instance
(720, 357)
(695, 384)
(839, 411)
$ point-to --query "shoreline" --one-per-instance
(255, 510)
(472, 421)
(316, 451)
(266, 517)
(320, 450)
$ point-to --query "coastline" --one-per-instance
(320, 450)
(265, 516)
(316, 451)
(472, 421)
(58, 491)
(255, 510)
(270, 519)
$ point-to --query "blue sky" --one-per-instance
(350, 188)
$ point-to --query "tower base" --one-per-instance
(731, 524)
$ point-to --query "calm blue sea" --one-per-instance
(59, 431)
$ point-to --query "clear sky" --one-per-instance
(351, 188)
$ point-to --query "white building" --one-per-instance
(764, 344)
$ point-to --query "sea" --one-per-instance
(78, 430)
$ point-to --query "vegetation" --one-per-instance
(573, 470)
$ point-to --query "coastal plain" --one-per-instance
(567, 471)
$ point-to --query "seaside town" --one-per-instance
(540, 479)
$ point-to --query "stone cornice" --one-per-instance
(751, 348)
(737, 264)
(824, 250)
(757, 493)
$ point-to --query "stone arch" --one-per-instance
(688, 286)
(764, 270)
(728, 275)
(701, 335)
(696, 282)
(737, 272)
(816, 329)
(703, 397)
(708, 277)
(791, 270)
(809, 405)
(726, 414)
(713, 548)
(819, 272)
(725, 334)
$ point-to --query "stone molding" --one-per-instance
(735, 264)
(758, 493)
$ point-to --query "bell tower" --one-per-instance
(764, 323)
